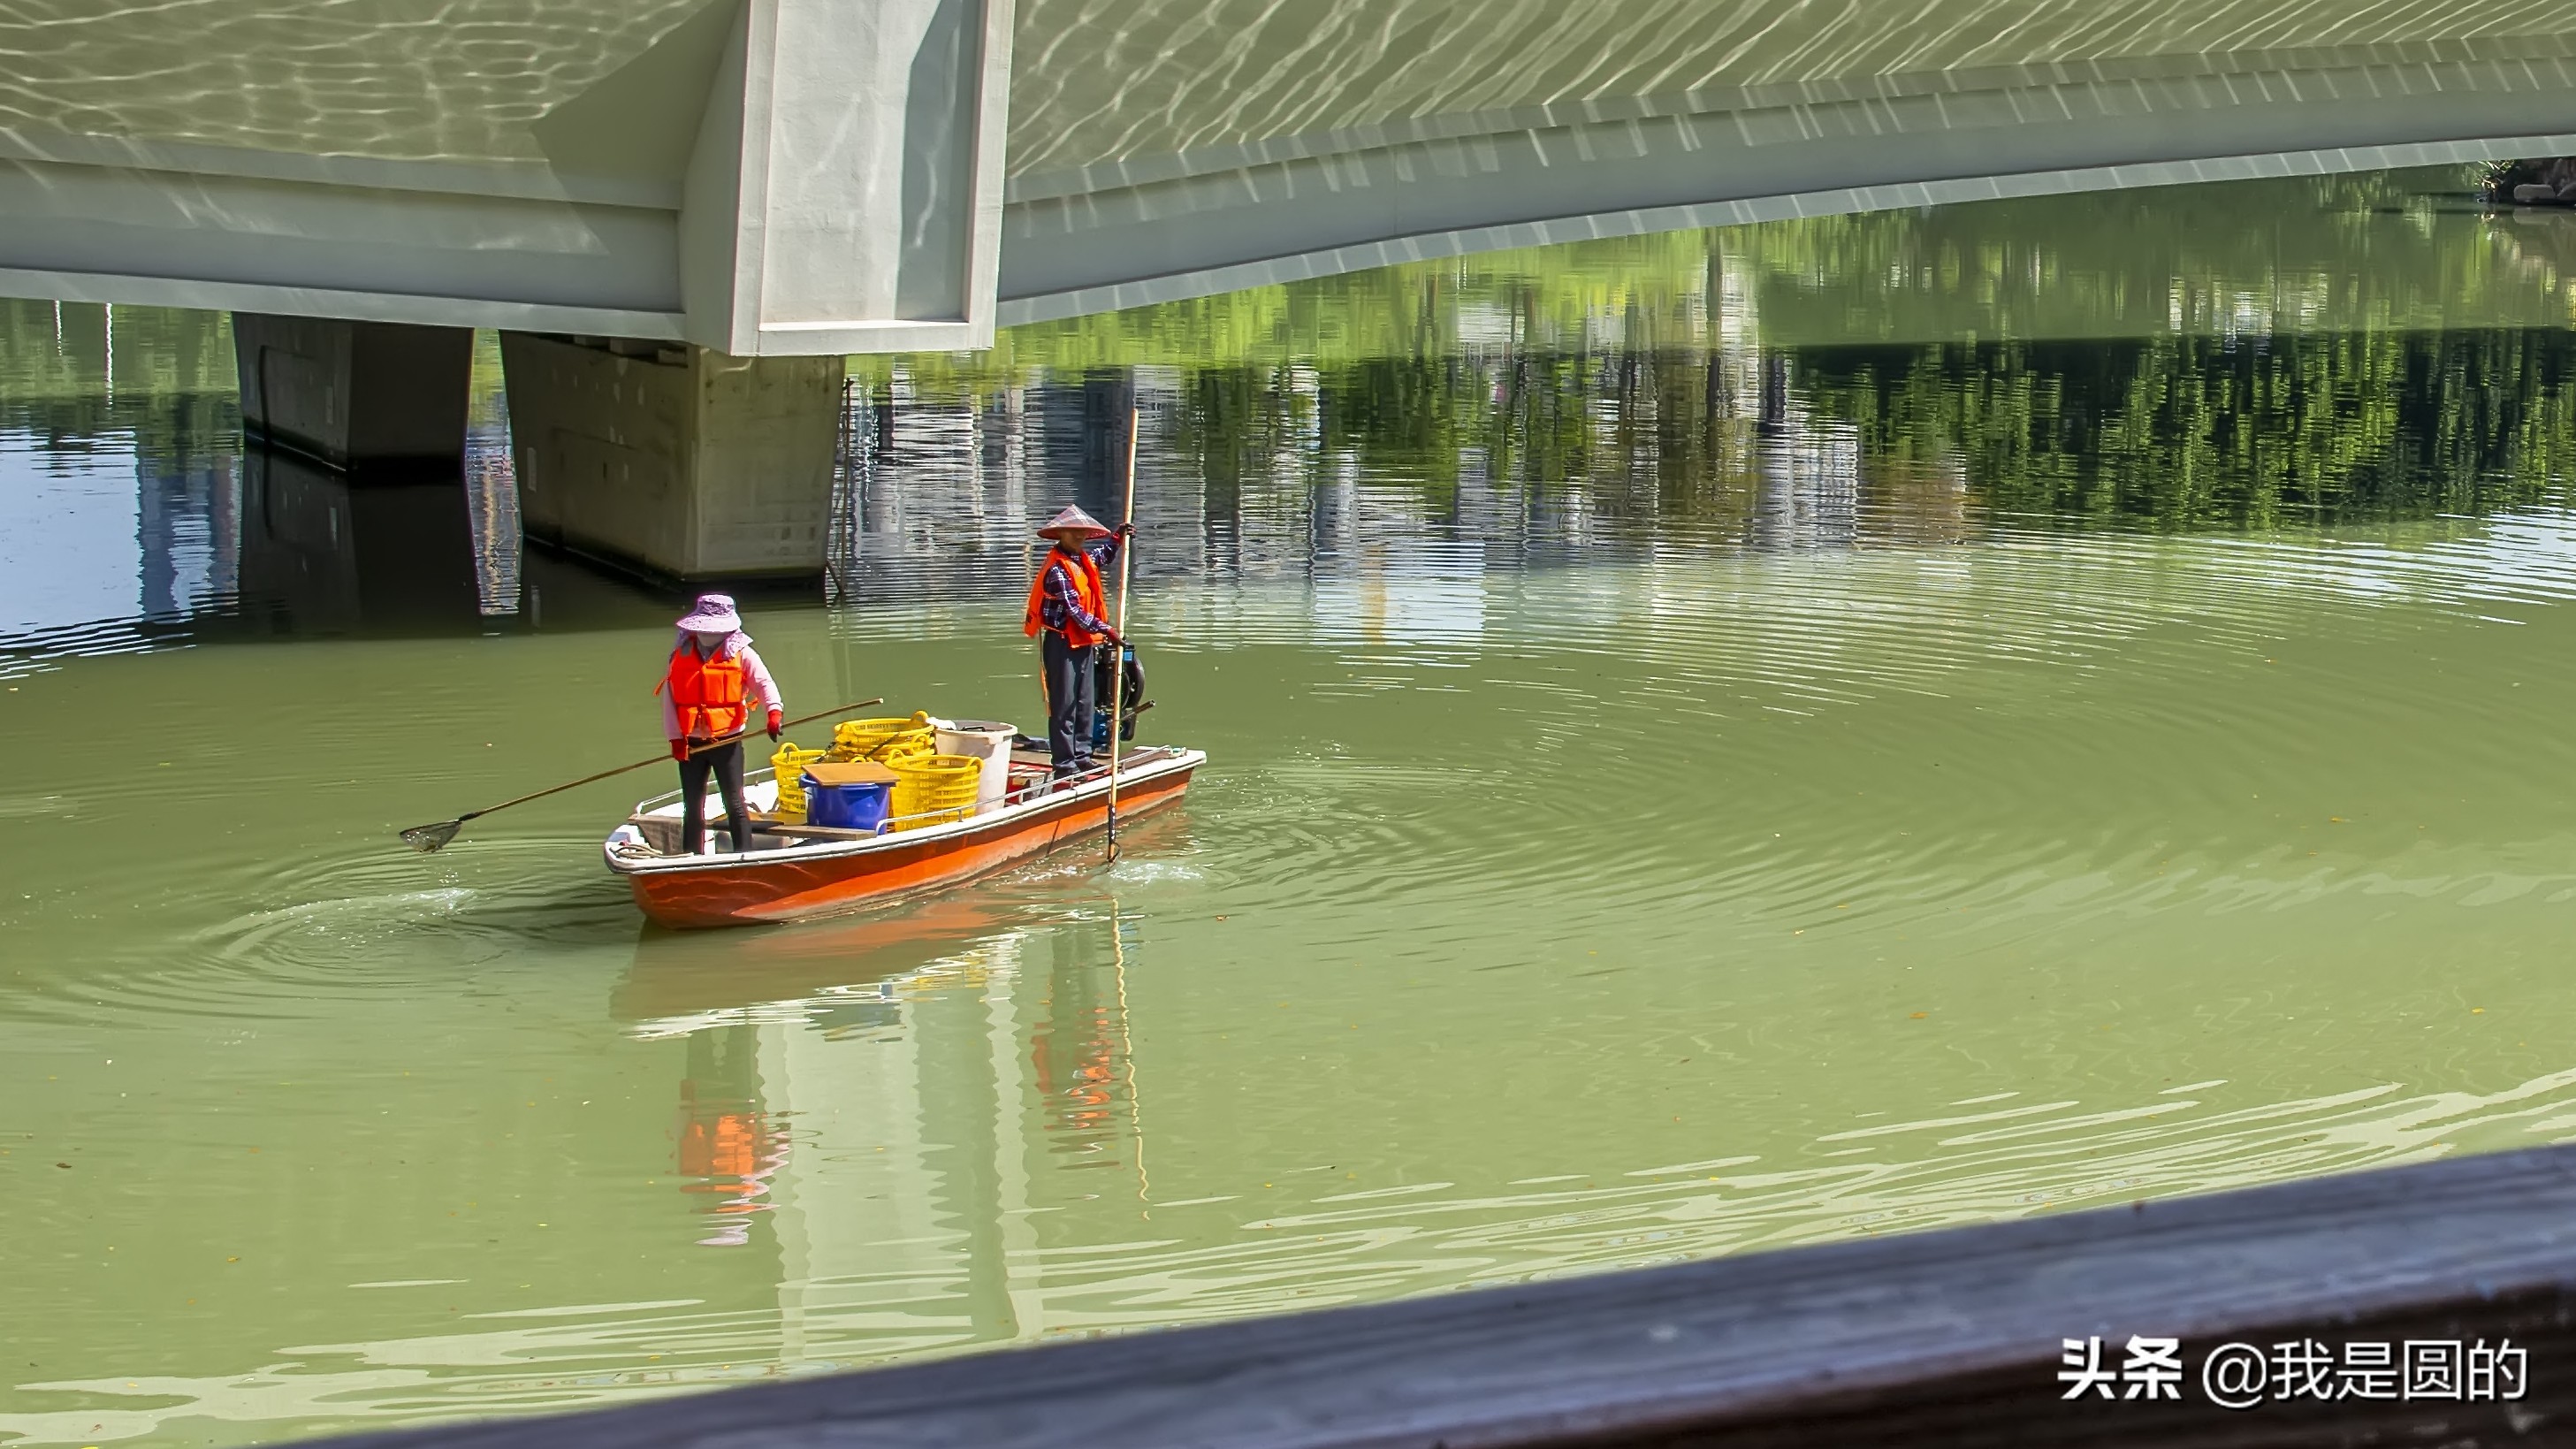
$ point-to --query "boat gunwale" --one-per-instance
(1181, 760)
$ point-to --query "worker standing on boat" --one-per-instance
(713, 687)
(1068, 606)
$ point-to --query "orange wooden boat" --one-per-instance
(796, 872)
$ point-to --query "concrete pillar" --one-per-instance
(672, 460)
(844, 190)
(365, 397)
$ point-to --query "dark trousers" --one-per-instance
(726, 764)
(1068, 691)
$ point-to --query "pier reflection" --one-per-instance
(322, 553)
(188, 491)
(132, 513)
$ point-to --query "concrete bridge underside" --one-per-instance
(831, 176)
(1431, 129)
(684, 213)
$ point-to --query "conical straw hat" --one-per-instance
(1074, 520)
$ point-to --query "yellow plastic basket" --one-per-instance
(883, 740)
(790, 763)
(933, 789)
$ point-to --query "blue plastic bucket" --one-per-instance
(847, 807)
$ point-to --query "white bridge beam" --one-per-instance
(768, 177)
(754, 176)
(1197, 222)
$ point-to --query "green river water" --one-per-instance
(1718, 742)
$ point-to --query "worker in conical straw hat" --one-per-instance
(712, 690)
(1068, 613)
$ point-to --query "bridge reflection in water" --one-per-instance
(1834, 383)
(131, 412)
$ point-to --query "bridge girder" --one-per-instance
(830, 176)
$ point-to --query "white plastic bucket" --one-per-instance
(986, 741)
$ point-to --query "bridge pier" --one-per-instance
(671, 460)
(369, 397)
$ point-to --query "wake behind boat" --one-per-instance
(796, 870)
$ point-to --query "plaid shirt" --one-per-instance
(1059, 603)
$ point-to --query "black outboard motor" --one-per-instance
(1104, 676)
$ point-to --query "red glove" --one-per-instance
(680, 751)
(774, 718)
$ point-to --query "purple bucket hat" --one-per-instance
(714, 614)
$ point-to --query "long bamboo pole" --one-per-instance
(1118, 661)
(430, 837)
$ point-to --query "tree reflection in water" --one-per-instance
(2308, 353)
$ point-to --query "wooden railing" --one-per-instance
(1949, 1338)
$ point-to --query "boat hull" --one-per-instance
(770, 887)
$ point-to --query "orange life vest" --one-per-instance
(1084, 572)
(707, 692)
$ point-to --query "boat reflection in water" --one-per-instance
(878, 1093)
(727, 1145)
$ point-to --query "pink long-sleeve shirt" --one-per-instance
(760, 693)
